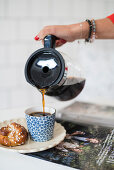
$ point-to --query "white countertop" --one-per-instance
(11, 160)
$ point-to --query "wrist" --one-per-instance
(85, 30)
(79, 31)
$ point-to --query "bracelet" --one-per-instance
(81, 26)
(90, 30)
(81, 32)
(93, 30)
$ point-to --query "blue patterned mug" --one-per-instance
(40, 128)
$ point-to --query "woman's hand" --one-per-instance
(65, 33)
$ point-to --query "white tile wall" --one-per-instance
(3, 59)
(62, 8)
(40, 8)
(17, 8)
(8, 77)
(8, 29)
(17, 54)
(2, 12)
(4, 99)
(28, 29)
(21, 20)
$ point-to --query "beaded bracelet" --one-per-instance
(90, 30)
(93, 30)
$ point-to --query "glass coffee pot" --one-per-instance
(53, 71)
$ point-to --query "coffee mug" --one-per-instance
(40, 128)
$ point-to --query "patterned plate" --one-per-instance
(30, 145)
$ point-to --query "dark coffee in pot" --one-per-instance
(69, 90)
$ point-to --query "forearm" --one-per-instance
(104, 29)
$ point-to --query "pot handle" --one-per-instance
(49, 41)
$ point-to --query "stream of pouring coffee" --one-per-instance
(43, 91)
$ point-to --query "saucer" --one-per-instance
(32, 146)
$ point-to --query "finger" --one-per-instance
(60, 42)
(46, 31)
(42, 34)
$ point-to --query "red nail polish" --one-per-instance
(36, 38)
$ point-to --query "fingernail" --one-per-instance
(63, 41)
(36, 38)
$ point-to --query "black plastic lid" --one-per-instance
(45, 68)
